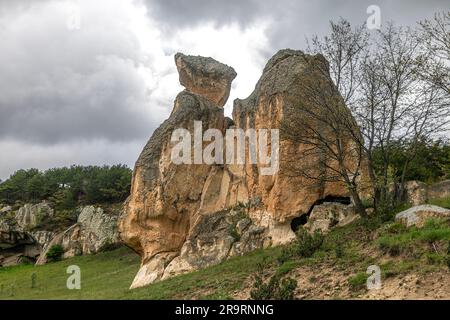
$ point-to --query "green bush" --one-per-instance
(306, 244)
(396, 228)
(396, 240)
(339, 250)
(55, 253)
(286, 254)
(276, 288)
(358, 282)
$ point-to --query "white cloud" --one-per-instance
(94, 95)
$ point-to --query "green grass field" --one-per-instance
(108, 275)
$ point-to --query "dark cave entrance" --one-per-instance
(297, 222)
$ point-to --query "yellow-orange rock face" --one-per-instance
(205, 77)
(177, 212)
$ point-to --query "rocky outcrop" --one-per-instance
(94, 231)
(43, 237)
(16, 245)
(178, 215)
(30, 232)
(328, 215)
(418, 192)
(417, 216)
(214, 238)
(5, 209)
(439, 190)
(31, 215)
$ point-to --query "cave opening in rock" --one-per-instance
(297, 222)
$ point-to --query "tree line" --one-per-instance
(68, 187)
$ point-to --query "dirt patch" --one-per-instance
(322, 282)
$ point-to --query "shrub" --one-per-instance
(275, 289)
(285, 255)
(307, 244)
(55, 253)
(396, 228)
(358, 282)
(339, 250)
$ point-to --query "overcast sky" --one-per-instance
(87, 82)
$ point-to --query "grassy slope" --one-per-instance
(348, 250)
(108, 276)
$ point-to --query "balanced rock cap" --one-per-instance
(206, 77)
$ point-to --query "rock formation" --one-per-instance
(187, 216)
(31, 215)
(417, 216)
(418, 192)
(205, 77)
(93, 232)
(324, 217)
(15, 245)
(28, 233)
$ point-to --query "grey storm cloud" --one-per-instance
(181, 13)
(61, 85)
(293, 20)
(80, 96)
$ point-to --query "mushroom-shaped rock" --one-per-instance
(205, 77)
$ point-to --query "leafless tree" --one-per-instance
(396, 103)
(322, 129)
(435, 37)
(393, 93)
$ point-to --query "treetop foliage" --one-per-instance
(68, 186)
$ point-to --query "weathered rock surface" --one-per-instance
(205, 77)
(165, 215)
(15, 245)
(419, 214)
(42, 237)
(439, 190)
(11, 236)
(5, 209)
(418, 192)
(94, 231)
(325, 216)
(31, 215)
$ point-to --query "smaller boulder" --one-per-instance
(6, 209)
(439, 190)
(416, 216)
(327, 215)
(205, 77)
(416, 192)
